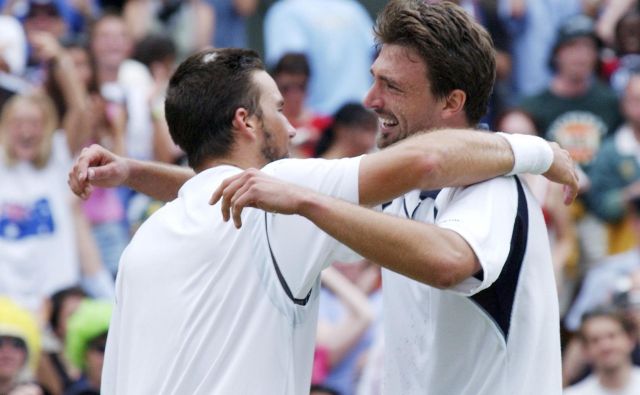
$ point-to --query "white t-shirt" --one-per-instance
(591, 386)
(493, 334)
(204, 308)
(38, 250)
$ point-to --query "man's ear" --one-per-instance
(454, 103)
(245, 124)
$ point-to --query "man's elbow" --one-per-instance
(430, 166)
(454, 269)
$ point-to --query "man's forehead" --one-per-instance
(268, 88)
(398, 63)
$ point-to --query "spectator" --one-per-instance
(578, 111)
(533, 25)
(292, 73)
(158, 53)
(328, 32)
(38, 251)
(93, 118)
(56, 372)
(19, 345)
(352, 133)
(85, 344)
(615, 173)
(627, 49)
(231, 20)
(608, 341)
(125, 80)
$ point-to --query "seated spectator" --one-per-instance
(578, 111)
(352, 133)
(292, 73)
(615, 172)
(85, 344)
(608, 340)
(19, 347)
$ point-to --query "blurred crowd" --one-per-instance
(78, 72)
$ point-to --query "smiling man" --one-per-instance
(469, 295)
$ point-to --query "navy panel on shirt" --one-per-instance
(497, 300)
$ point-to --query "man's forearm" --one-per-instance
(159, 180)
(424, 252)
(433, 160)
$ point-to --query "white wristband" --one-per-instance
(531, 154)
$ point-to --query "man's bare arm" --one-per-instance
(449, 158)
(424, 252)
(96, 166)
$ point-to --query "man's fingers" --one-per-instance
(217, 194)
(241, 199)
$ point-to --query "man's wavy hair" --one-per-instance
(456, 50)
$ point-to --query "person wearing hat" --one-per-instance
(578, 111)
(19, 345)
(85, 343)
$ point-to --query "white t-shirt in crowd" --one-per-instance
(591, 386)
(38, 249)
(496, 333)
(205, 308)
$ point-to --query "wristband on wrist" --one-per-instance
(531, 154)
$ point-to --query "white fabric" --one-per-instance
(199, 306)
(136, 82)
(13, 44)
(443, 342)
(531, 154)
(591, 386)
(38, 251)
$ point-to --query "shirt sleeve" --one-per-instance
(483, 215)
(300, 248)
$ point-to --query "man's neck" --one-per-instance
(615, 379)
(570, 87)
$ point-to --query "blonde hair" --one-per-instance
(50, 124)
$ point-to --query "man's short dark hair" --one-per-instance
(203, 96)
(292, 63)
(457, 51)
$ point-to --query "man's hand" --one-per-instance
(563, 171)
(253, 188)
(97, 166)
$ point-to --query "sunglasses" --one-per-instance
(14, 342)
